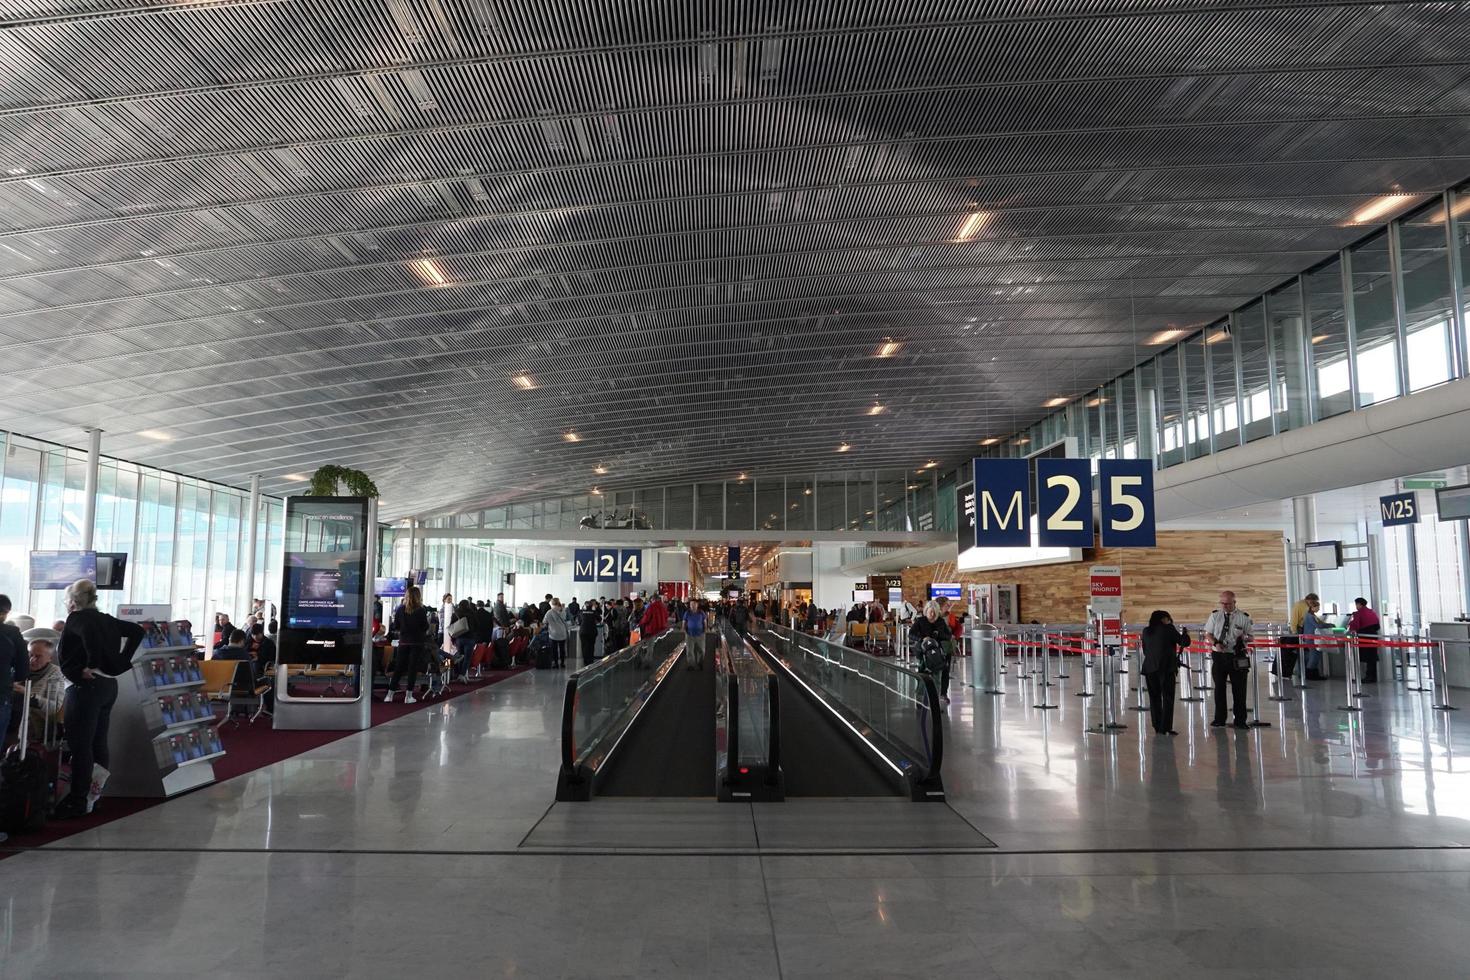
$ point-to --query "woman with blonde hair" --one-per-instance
(411, 624)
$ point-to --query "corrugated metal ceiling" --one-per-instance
(289, 233)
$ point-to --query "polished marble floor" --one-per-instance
(1328, 844)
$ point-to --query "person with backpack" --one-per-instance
(13, 664)
(411, 624)
(927, 639)
(94, 648)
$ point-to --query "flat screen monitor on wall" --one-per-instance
(1453, 503)
(390, 587)
(59, 569)
(1324, 556)
(112, 569)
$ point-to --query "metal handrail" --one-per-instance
(927, 706)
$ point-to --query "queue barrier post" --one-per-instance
(1418, 685)
(1441, 681)
(1061, 673)
(1043, 684)
(1089, 659)
(1351, 675)
(1279, 681)
(1190, 692)
(1140, 701)
(1256, 721)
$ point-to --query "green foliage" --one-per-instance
(325, 481)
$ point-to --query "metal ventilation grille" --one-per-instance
(429, 238)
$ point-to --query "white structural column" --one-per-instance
(247, 585)
(413, 528)
(1304, 529)
(89, 494)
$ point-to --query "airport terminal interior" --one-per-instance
(532, 489)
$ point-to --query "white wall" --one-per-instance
(831, 587)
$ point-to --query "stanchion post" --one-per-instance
(1256, 721)
(1061, 673)
(1418, 668)
(1140, 702)
(1441, 682)
(1187, 685)
(1347, 680)
(1043, 684)
(1355, 644)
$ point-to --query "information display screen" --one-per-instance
(1453, 503)
(862, 595)
(112, 569)
(59, 569)
(324, 590)
(390, 587)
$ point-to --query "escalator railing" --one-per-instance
(890, 706)
(602, 701)
(747, 724)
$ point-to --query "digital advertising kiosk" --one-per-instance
(324, 676)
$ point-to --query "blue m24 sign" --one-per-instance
(607, 565)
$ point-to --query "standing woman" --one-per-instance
(464, 643)
(557, 631)
(933, 627)
(1162, 643)
(411, 623)
(95, 647)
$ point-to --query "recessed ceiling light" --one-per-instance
(741, 478)
(430, 272)
(296, 477)
(877, 410)
(843, 448)
(929, 465)
(1094, 402)
(991, 441)
(1023, 442)
(972, 223)
(889, 347)
(1055, 402)
(1380, 207)
(1319, 338)
(1165, 336)
(808, 491)
(571, 437)
(596, 492)
(524, 382)
(156, 435)
(600, 470)
(1217, 336)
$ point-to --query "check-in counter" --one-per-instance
(1456, 654)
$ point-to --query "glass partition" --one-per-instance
(1375, 321)
(895, 708)
(1428, 297)
(1327, 320)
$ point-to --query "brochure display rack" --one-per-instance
(163, 738)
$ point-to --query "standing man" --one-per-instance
(694, 633)
(501, 611)
(1229, 630)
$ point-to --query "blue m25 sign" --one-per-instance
(1064, 503)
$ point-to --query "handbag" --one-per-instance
(459, 628)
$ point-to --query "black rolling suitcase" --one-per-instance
(25, 783)
(541, 649)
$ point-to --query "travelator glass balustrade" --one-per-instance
(747, 724)
(892, 707)
(604, 701)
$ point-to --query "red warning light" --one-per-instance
(744, 771)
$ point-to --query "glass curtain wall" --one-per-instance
(1386, 316)
(186, 539)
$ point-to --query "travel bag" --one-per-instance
(25, 783)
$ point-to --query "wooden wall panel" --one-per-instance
(1184, 575)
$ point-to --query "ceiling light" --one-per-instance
(1319, 338)
(1056, 402)
(929, 465)
(524, 382)
(296, 477)
(808, 491)
(1023, 442)
(843, 448)
(889, 347)
(156, 435)
(991, 441)
(1384, 205)
(741, 478)
(430, 272)
(877, 410)
(600, 470)
(972, 223)
(571, 437)
(1217, 336)
(1165, 336)
(596, 492)
(1095, 402)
